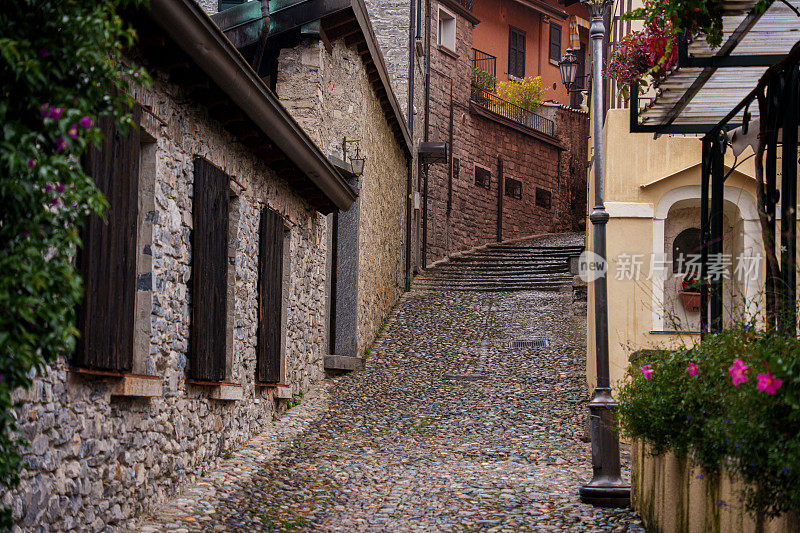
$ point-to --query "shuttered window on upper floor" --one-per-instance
(516, 52)
(107, 259)
(555, 42)
(208, 336)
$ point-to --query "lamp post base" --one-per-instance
(606, 493)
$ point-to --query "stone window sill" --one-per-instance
(446, 51)
(130, 385)
(280, 391)
(220, 390)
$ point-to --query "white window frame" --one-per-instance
(446, 35)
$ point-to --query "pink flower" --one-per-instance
(60, 188)
(44, 53)
(55, 202)
(738, 371)
(61, 144)
(86, 122)
(73, 131)
(692, 369)
(768, 383)
(45, 110)
(31, 163)
(647, 371)
(56, 112)
(49, 187)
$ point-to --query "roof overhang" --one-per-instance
(463, 8)
(330, 20)
(544, 8)
(218, 77)
(708, 83)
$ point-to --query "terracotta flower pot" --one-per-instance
(690, 300)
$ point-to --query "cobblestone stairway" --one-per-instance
(540, 263)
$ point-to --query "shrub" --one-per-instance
(527, 93)
(60, 69)
(731, 402)
(482, 82)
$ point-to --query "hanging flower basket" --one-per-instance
(690, 300)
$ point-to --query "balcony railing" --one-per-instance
(495, 104)
(485, 62)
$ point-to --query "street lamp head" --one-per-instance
(569, 68)
(596, 7)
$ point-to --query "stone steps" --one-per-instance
(526, 265)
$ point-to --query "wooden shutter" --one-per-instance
(209, 272)
(270, 297)
(516, 52)
(107, 260)
(555, 42)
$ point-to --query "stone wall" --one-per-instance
(98, 461)
(462, 215)
(331, 98)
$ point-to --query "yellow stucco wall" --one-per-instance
(671, 496)
(639, 171)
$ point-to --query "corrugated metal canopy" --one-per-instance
(704, 95)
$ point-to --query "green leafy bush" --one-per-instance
(61, 68)
(731, 402)
(481, 82)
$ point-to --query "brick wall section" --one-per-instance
(472, 218)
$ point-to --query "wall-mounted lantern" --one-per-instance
(357, 160)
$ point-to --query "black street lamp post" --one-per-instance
(606, 489)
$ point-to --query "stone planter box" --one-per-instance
(690, 300)
(670, 496)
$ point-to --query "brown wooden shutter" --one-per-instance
(555, 42)
(270, 296)
(209, 272)
(516, 52)
(107, 260)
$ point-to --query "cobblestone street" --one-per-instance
(447, 429)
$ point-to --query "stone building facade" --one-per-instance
(457, 213)
(329, 94)
(106, 446)
(507, 178)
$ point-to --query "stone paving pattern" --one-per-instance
(447, 429)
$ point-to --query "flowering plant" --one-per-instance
(527, 93)
(733, 402)
(650, 52)
(61, 69)
(691, 283)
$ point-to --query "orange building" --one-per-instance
(524, 38)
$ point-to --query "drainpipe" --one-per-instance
(499, 199)
(410, 116)
(427, 131)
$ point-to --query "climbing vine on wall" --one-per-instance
(61, 68)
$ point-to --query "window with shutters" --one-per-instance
(483, 177)
(212, 313)
(516, 52)
(107, 261)
(555, 42)
(513, 188)
(447, 30)
(273, 257)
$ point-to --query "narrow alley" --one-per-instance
(468, 416)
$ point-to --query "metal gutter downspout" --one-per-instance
(427, 130)
(189, 26)
(410, 114)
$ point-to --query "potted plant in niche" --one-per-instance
(690, 295)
